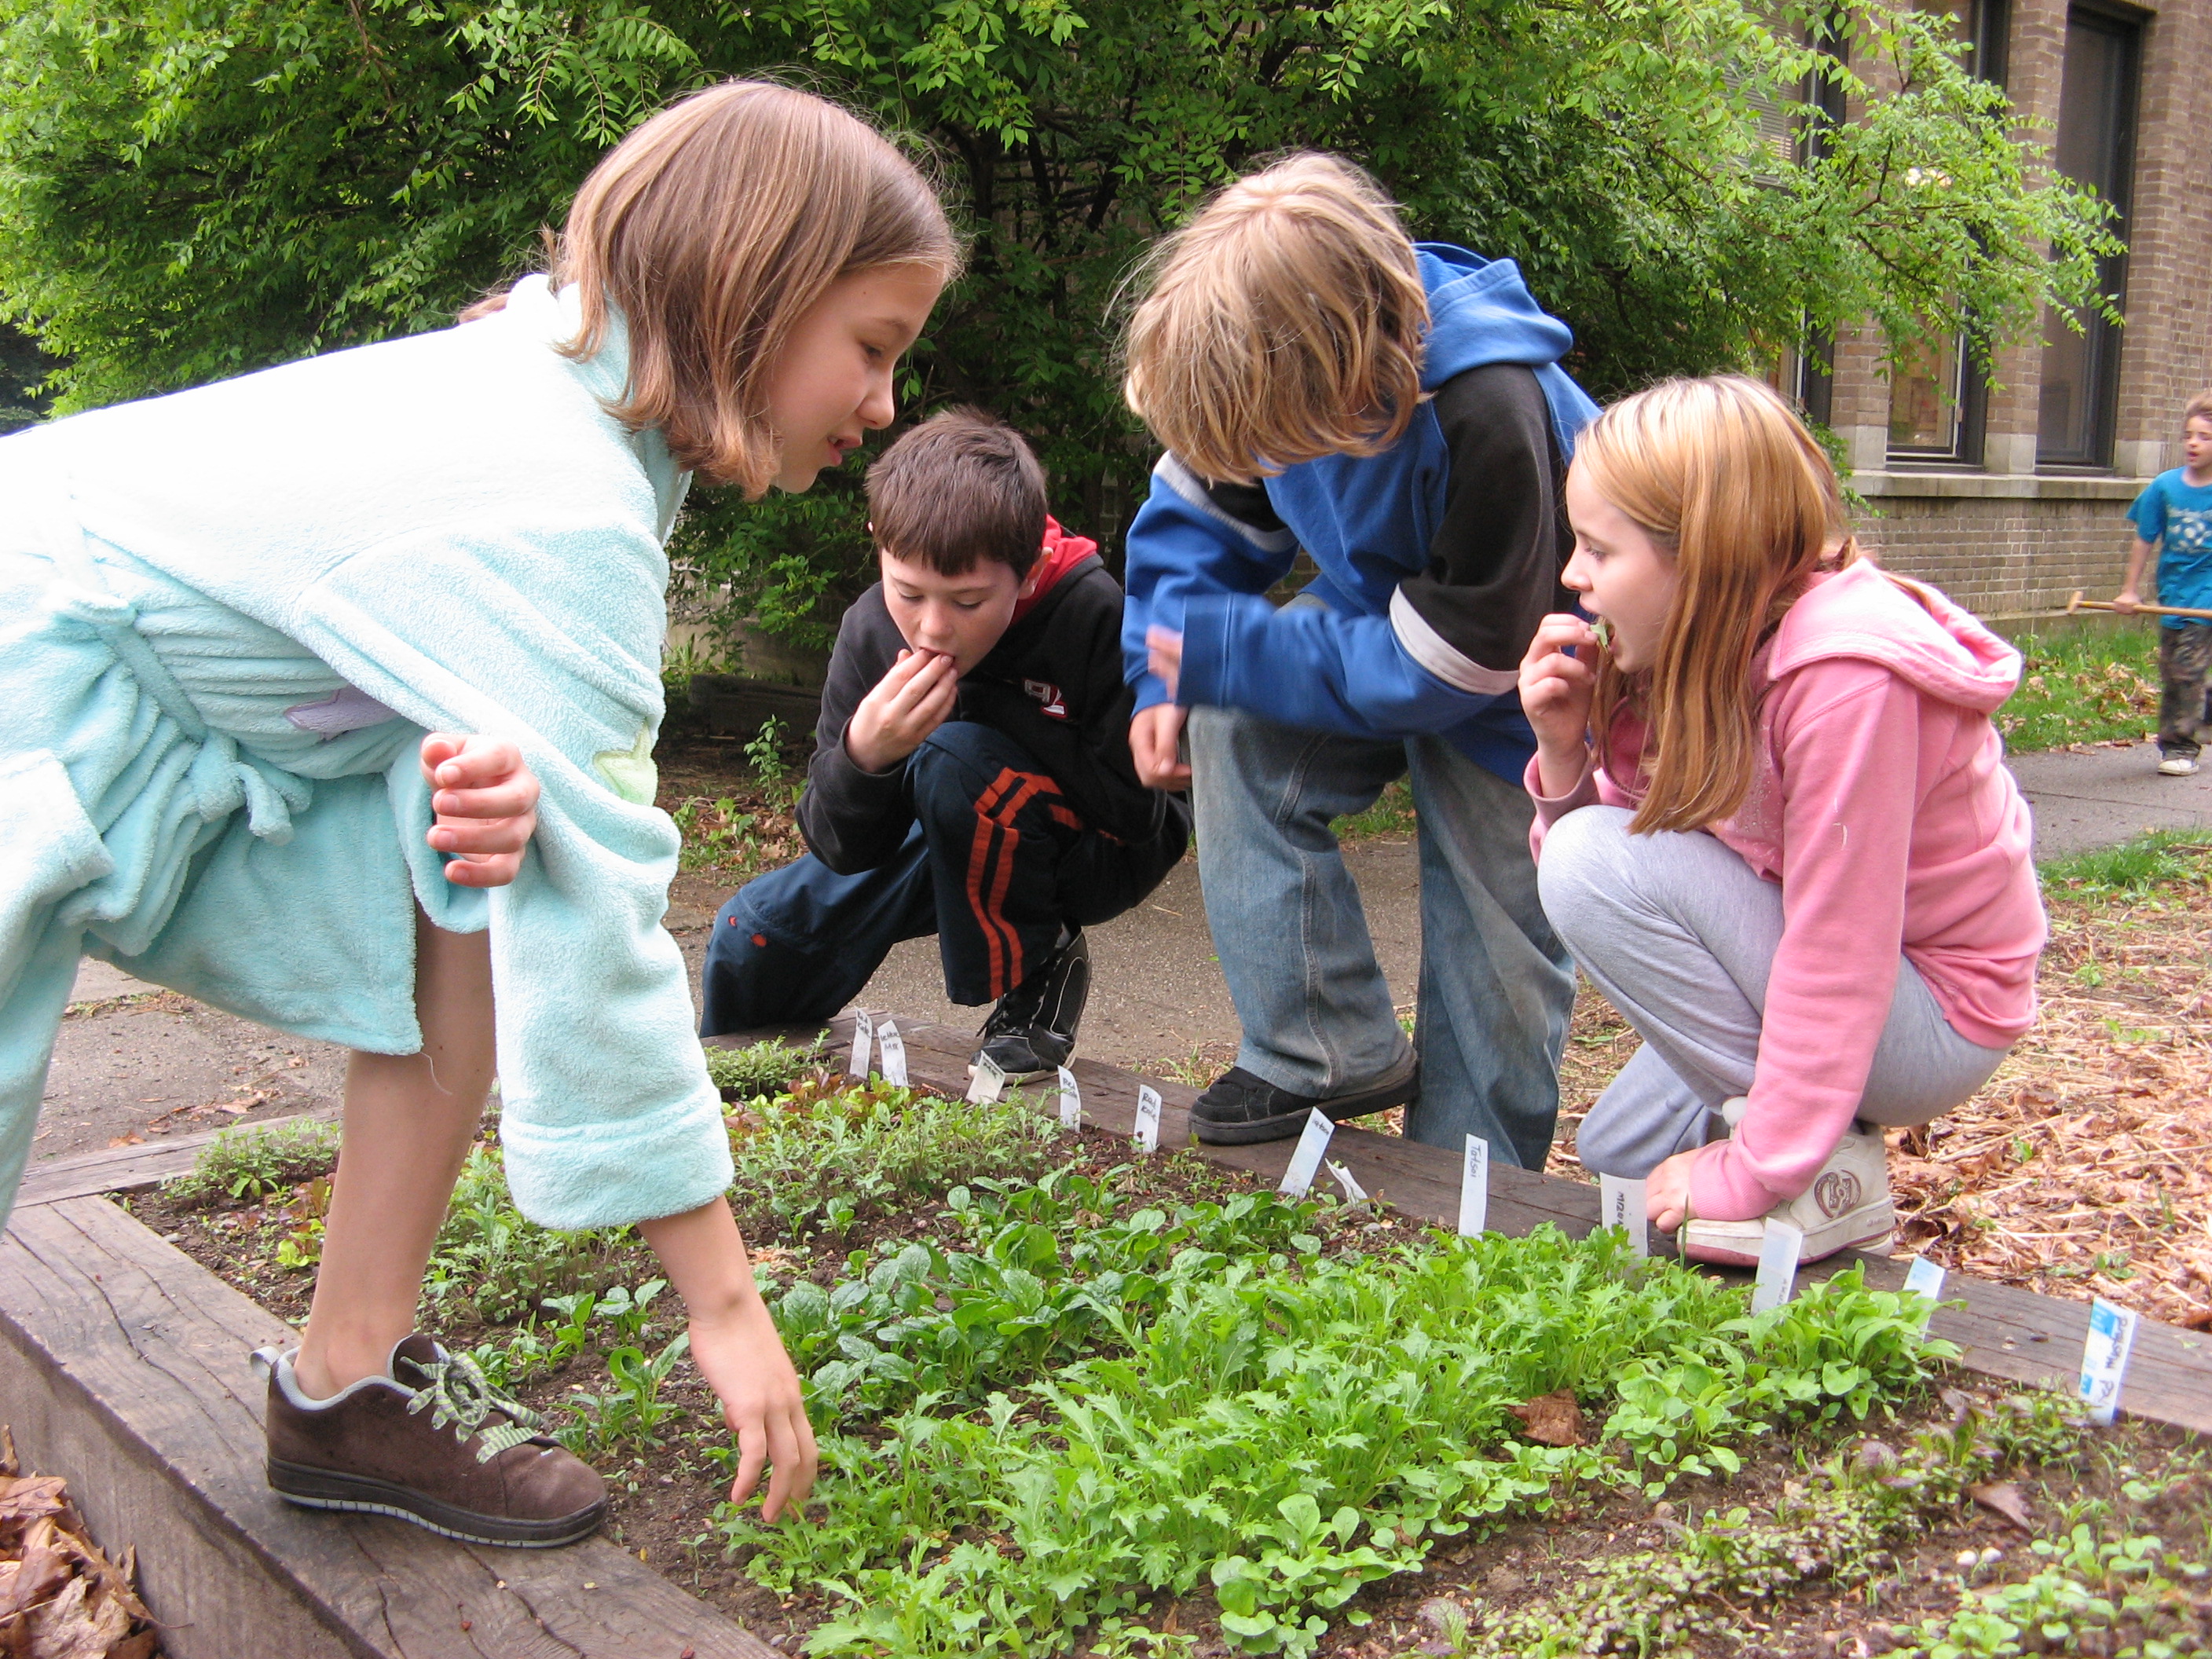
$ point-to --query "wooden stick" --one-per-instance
(2077, 603)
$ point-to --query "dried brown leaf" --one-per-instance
(1551, 1420)
(2003, 1498)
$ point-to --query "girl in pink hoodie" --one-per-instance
(1774, 825)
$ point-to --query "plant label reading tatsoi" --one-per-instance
(1620, 1204)
(1474, 1188)
(1148, 1118)
(864, 1031)
(2105, 1357)
(987, 1083)
(894, 1047)
(1305, 1161)
(1071, 1100)
(1778, 1250)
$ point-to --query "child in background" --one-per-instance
(232, 613)
(1397, 411)
(1774, 825)
(2174, 517)
(971, 774)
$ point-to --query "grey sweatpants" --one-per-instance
(1680, 934)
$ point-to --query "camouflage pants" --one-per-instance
(2185, 665)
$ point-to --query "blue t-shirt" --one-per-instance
(2178, 516)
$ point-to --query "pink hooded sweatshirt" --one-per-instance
(1881, 804)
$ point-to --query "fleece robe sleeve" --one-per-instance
(1849, 736)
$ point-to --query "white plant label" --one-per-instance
(1353, 1192)
(1778, 1251)
(988, 1083)
(1620, 1204)
(1474, 1188)
(1071, 1100)
(1924, 1278)
(1305, 1160)
(1148, 1118)
(2105, 1357)
(864, 1032)
(894, 1049)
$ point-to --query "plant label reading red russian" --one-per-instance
(1620, 1204)
(1148, 1118)
(1305, 1159)
(2105, 1357)
(1071, 1100)
(894, 1050)
(864, 1032)
(1779, 1247)
(1474, 1188)
(987, 1081)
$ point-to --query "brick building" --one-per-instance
(2012, 498)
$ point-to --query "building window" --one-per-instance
(1937, 397)
(2096, 147)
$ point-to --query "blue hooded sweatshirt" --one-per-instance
(1436, 558)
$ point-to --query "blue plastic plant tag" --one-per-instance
(1305, 1158)
(864, 1033)
(2105, 1357)
(1778, 1251)
(1071, 1100)
(1620, 1204)
(1148, 1118)
(1474, 1188)
(893, 1051)
(987, 1081)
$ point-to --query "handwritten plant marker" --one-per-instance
(894, 1050)
(1071, 1100)
(1353, 1192)
(864, 1031)
(1924, 1278)
(2105, 1357)
(1148, 1118)
(1620, 1204)
(987, 1081)
(1305, 1160)
(1474, 1188)
(1778, 1250)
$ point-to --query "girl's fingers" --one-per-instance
(752, 1456)
(490, 870)
(510, 797)
(482, 835)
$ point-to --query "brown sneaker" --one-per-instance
(434, 1443)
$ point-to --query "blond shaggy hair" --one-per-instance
(712, 230)
(1724, 475)
(1283, 323)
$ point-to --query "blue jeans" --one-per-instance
(1497, 987)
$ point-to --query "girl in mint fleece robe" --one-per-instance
(231, 615)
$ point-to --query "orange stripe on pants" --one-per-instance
(996, 837)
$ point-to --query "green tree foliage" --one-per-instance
(192, 189)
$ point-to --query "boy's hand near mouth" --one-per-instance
(906, 705)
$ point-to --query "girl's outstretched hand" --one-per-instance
(486, 801)
(1555, 694)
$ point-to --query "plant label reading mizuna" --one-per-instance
(894, 1047)
(864, 1031)
(1620, 1204)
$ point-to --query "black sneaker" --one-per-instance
(1240, 1108)
(1032, 1030)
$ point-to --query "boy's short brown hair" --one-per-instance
(959, 487)
(1285, 322)
(2200, 407)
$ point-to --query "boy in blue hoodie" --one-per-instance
(1398, 413)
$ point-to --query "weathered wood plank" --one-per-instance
(2001, 1331)
(123, 1366)
(120, 1169)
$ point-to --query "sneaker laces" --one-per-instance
(455, 1390)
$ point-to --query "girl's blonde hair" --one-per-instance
(1283, 323)
(1724, 476)
(712, 229)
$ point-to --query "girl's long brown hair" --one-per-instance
(712, 229)
(1724, 476)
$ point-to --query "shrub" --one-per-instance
(256, 1161)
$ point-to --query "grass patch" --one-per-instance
(2086, 685)
(1392, 814)
(2179, 860)
(257, 1163)
(767, 1067)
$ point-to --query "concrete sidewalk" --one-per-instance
(1159, 997)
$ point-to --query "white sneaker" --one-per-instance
(1846, 1207)
(2178, 765)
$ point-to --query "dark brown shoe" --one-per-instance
(434, 1443)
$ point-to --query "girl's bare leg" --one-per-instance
(408, 1122)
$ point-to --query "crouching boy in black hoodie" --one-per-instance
(971, 774)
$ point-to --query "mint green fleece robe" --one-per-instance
(226, 618)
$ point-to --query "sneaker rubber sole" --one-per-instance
(1397, 1087)
(1735, 1243)
(363, 1494)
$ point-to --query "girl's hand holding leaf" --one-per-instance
(1559, 676)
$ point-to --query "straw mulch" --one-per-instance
(60, 1598)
